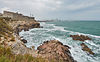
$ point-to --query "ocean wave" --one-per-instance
(37, 36)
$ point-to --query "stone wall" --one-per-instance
(17, 16)
(0, 14)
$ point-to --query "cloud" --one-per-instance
(44, 9)
(80, 4)
(5, 9)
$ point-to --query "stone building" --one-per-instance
(17, 16)
(0, 14)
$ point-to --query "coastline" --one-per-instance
(18, 47)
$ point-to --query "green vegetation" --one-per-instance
(7, 56)
(5, 28)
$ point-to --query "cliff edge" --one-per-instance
(52, 51)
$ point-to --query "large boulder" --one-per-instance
(87, 49)
(55, 51)
(80, 37)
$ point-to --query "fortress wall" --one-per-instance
(8, 14)
(17, 16)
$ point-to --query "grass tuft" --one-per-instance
(7, 56)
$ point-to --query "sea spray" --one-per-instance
(51, 31)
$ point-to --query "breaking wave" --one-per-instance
(37, 36)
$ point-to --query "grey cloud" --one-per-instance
(47, 8)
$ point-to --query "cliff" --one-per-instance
(14, 50)
(11, 46)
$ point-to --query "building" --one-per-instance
(0, 14)
(17, 16)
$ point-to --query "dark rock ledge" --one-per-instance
(83, 38)
(80, 37)
(87, 49)
(26, 25)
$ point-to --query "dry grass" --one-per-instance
(6, 53)
(7, 56)
(5, 28)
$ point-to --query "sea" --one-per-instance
(61, 30)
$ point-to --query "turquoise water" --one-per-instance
(88, 27)
(61, 31)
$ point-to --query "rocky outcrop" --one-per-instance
(80, 37)
(20, 48)
(24, 41)
(52, 50)
(8, 37)
(87, 49)
(55, 51)
(18, 26)
(26, 26)
(83, 38)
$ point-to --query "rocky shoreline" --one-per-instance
(62, 56)
(50, 50)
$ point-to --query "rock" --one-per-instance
(24, 41)
(41, 26)
(56, 51)
(18, 26)
(20, 48)
(87, 49)
(0, 38)
(80, 37)
(33, 47)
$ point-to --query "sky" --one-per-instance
(54, 9)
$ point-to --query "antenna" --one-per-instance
(30, 14)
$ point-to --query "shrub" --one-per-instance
(4, 59)
(5, 29)
(7, 56)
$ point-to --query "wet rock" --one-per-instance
(24, 41)
(56, 51)
(25, 25)
(80, 37)
(87, 49)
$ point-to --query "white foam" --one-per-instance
(71, 32)
(37, 36)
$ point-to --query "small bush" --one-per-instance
(4, 59)
(12, 38)
(4, 27)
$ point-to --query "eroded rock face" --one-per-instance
(26, 26)
(18, 26)
(56, 51)
(87, 49)
(80, 37)
(20, 48)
